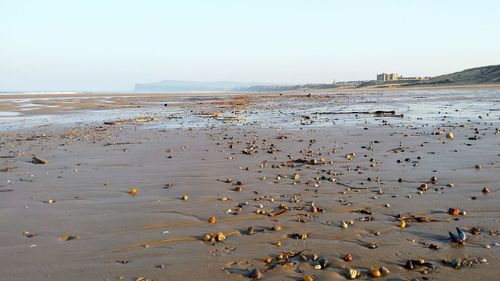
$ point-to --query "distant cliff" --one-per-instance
(170, 86)
(472, 76)
(479, 75)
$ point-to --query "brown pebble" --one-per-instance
(250, 230)
(423, 187)
(207, 237)
(308, 278)
(454, 211)
(37, 160)
(348, 257)
(277, 228)
(70, 237)
(212, 220)
(486, 190)
(375, 272)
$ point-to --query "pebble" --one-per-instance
(133, 191)
(250, 230)
(220, 237)
(37, 160)
(423, 187)
(308, 278)
(212, 220)
(375, 272)
(353, 274)
(384, 270)
(402, 224)
(256, 274)
(185, 198)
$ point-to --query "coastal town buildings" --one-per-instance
(383, 77)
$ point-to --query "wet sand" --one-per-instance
(368, 170)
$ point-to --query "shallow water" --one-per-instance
(418, 107)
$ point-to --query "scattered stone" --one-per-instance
(133, 191)
(70, 237)
(255, 274)
(353, 274)
(343, 224)
(37, 160)
(308, 278)
(250, 230)
(348, 257)
(375, 272)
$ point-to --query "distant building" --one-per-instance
(383, 77)
(387, 77)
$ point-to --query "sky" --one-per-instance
(109, 45)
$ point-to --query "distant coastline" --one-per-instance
(485, 75)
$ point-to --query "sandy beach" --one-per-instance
(327, 186)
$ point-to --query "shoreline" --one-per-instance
(216, 94)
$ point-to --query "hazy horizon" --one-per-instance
(61, 45)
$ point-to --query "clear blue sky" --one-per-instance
(113, 44)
